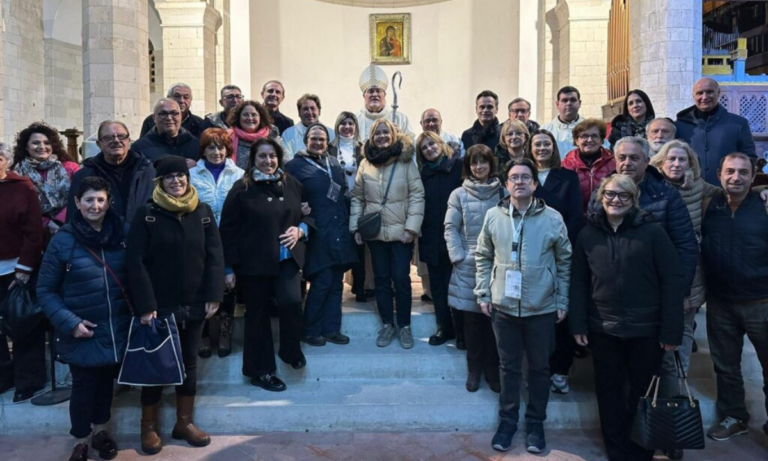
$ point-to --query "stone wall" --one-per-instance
(23, 65)
(63, 84)
(665, 51)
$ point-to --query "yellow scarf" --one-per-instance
(184, 204)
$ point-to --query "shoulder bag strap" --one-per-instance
(389, 184)
(113, 275)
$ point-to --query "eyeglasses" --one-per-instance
(526, 178)
(169, 178)
(172, 114)
(120, 137)
(612, 194)
(587, 137)
(519, 111)
(233, 97)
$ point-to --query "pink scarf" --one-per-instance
(237, 134)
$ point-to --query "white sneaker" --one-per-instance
(560, 384)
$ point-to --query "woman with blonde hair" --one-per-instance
(512, 141)
(388, 188)
(441, 175)
(626, 290)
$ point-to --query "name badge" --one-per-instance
(334, 190)
(513, 284)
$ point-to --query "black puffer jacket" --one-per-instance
(735, 250)
(155, 145)
(627, 283)
(665, 204)
(175, 263)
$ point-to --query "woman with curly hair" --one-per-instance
(40, 155)
(249, 121)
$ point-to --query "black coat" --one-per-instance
(252, 221)
(735, 249)
(479, 135)
(330, 242)
(662, 200)
(627, 283)
(191, 124)
(281, 121)
(175, 263)
(155, 145)
(141, 186)
(561, 191)
(438, 185)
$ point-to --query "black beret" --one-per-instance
(171, 164)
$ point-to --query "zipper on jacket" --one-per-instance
(109, 303)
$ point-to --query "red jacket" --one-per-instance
(589, 178)
(21, 235)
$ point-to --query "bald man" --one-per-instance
(711, 130)
(431, 120)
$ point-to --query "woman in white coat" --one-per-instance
(467, 206)
(213, 177)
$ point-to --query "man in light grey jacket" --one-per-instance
(523, 262)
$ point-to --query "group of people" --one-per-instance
(538, 242)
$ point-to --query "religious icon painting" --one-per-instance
(390, 38)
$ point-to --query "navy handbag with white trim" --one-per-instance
(153, 355)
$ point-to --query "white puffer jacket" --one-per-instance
(210, 191)
(467, 206)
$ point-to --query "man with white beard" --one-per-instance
(373, 83)
(659, 132)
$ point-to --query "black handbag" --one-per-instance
(19, 313)
(369, 225)
(669, 424)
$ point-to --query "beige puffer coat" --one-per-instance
(404, 209)
(693, 191)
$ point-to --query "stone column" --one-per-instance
(115, 63)
(23, 65)
(3, 135)
(548, 37)
(223, 43)
(189, 48)
(665, 51)
(584, 51)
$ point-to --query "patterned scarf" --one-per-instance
(54, 190)
(258, 176)
(180, 205)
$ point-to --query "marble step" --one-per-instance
(343, 405)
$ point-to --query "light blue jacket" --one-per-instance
(211, 192)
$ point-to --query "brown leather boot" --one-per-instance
(150, 439)
(184, 428)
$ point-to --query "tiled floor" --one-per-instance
(564, 445)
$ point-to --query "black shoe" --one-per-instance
(441, 337)
(473, 381)
(425, 298)
(299, 364)
(674, 454)
(204, 352)
(23, 396)
(534, 441)
(502, 440)
(580, 352)
(105, 445)
(361, 298)
(369, 293)
(270, 383)
(80, 453)
(314, 340)
(694, 347)
(460, 344)
(337, 338)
